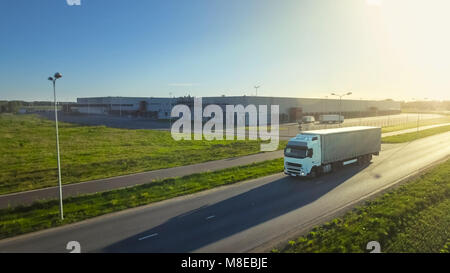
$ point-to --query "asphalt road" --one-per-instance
(241, 217)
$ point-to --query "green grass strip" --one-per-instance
(413, 124)
(412, 218)
(28, 152)
(45, 214)
(415, 135)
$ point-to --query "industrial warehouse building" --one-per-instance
(291, 109)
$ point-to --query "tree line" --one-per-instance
(13, 106)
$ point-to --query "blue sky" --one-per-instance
(376, 49)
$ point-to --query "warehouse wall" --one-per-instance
(161, 107)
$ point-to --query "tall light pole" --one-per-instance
(340, 103)
(53, 80)
(256, 88)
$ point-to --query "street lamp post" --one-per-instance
(53, 80)
(256, 88)
(340, 103)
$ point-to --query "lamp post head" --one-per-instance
(333, 94)
(349, 93)
(57, 75)
(50, 78)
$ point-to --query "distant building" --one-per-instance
(291, 109)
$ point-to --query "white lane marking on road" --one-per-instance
(146, 237)
(210, 217)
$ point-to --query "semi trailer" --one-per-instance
(331, 118)
(315, 152)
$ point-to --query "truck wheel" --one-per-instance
(315, 172)
(369, 158)
(319, 171)
(362, 160)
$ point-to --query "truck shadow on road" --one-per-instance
(208, 224)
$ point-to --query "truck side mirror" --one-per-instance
(310, 152)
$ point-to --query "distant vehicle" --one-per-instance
(308, 119)
(313, 153)
(331, 118)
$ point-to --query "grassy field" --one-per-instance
(28, 153)
(413, 136)
(413, 124)
(412, 218)
(45, 214)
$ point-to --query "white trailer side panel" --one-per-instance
(347, 143)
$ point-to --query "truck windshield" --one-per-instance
(297, 152)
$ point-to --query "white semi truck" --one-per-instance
(313, 153)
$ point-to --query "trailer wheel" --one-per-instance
(362, 160)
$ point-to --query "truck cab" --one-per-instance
(307, 119)
(301, 155)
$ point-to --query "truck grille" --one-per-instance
(293, 164)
